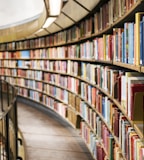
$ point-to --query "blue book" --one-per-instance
(123, 48)
(103, 107)
(20, 63)
(142, 40)
(25, 54)
(131, 43)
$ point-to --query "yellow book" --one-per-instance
(131, 142)
(137, 39)
(139, 145)
(138, 111)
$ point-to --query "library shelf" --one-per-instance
(128, 66)
(139, 127)
(104, 68)
(142, 69)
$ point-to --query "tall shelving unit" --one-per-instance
(81, 73)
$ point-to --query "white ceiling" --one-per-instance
(15, 12)
(22, 19)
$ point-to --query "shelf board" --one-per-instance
(139, 128)
(128, 66)
(142, 69)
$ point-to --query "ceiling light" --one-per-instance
(55, 7)
(49, 21)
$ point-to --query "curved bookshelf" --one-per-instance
(96, 65)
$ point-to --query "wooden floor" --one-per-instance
(48, 137)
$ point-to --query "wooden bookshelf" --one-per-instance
(95, 65)
(128, 66)
(139, 127)
(142, 69)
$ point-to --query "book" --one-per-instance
(124, 87)
(132, 137)
(138, 108)
(25, 54)
(138, 17)
(131, 43)
(131, 81)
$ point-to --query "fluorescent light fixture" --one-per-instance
(49, 21)
(55, 7)
(40, 30)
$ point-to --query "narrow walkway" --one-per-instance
(48, 137)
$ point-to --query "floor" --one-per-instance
(49, 137)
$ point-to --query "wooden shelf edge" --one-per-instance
(129, 66)
(139, 128)
(142, 69)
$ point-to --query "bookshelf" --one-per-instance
(90, 73)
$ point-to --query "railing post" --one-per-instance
(7, 137)
(16, 126)
(8, 101)
(1, 96)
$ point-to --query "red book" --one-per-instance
(142, 153)
(135, 88)
(100, 153)
(93, 96)
(133, 139)
(110, 47)
(116, 122)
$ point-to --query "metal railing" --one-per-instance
(8, 122)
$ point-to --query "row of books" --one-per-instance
(88, 114)
(72, 34)
(122, 85)
(60, 108)
(129, 142)
(37, 42)
(31, 74)
(57, 79)
(105, 17)
(72, 117)
(54, 52)
(8, 63)
(56, 92)
(125, 87)
(60, 66)
(21, 76)
(29, 83)
(98, 151)
(130, 148)
(68, 82)
(37, 88)
(110, 12)
(8, 72)
(131, 145)
(119, 47)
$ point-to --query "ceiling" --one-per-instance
(16, 12)
(22, 19)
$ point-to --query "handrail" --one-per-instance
(8, 121)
